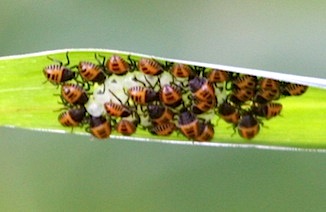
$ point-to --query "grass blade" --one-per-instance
(27, 102)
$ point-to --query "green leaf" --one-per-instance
(28, 102)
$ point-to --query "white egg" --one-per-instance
(144, 121)
(165, 78)
(94, 108)
(129, 81)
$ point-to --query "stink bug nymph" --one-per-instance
(126, 127)
(91, 72)
(229, 113)
(150, 66)
(163, 129)
(290, 89)
(268, 110)
(201, 89)
(159, 114)
(99, 127)
(117, 65)
(188, 124)
(72, 117)
(73, 94)
(171, 95)
(248, 126)
(179, 70)
(58, 73)
(206, 132)
(141, 95)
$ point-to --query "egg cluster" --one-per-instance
(122, 93)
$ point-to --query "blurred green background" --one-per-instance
(53, 172)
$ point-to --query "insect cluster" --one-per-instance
(122, 94)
